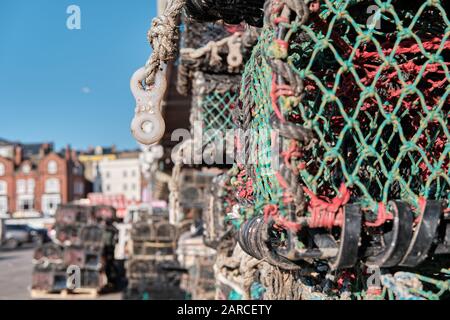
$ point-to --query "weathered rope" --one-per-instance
(163, 37)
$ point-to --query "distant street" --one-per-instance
(15, 274)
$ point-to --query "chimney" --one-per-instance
(43, 150)
(18, 155)
(67, 154)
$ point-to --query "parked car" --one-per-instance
(40, 235)
(19, 234)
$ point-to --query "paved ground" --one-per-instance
(15, 275)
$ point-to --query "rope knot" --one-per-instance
(163, 37)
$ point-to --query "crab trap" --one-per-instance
(357, 93)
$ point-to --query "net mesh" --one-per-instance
(212, 107)
(376, 96)
(216, 112)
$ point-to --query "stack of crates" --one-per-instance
(152, 270)
(84, 238)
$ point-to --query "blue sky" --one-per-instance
(71, 86)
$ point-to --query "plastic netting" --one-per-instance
(216, 112)
(376, 96)
(212, 108)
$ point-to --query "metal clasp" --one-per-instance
(148, 125)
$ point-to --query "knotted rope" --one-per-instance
(163, 37)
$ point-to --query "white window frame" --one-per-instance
(3, 188)
(31, 185)
(2, 170)
(3, 204)
(50, 203)
(25, 198)
(21, 186)
(52, 185)
(26, 169)
(52, 167)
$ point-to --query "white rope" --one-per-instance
(163, 37)
(233, 42)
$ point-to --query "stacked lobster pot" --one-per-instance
(218, 203)
(345, 167)
(220, 234)
(49, 271)
(201, 284)
(152, 270)
(358, 180)
(211, 63)
(84, 246)
(341, 173)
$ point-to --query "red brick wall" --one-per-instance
(8, 177)
(20, 175)
(64, 174)
(61, 174)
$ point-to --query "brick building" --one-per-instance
(35, 178)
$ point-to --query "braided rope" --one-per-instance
(163, 37)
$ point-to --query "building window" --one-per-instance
(52, 186)
(78, 188)
(125, 187)
(3, 188)
(77, 170)
(98, 150)
(25, 203)
(3, 205)
(26, 169)
(52, 167)
(107, 174)
(2, 169)
(133, 187)
(50, 203)
(108, 188)
(30, 186)
(125, 174)
(21, 186)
